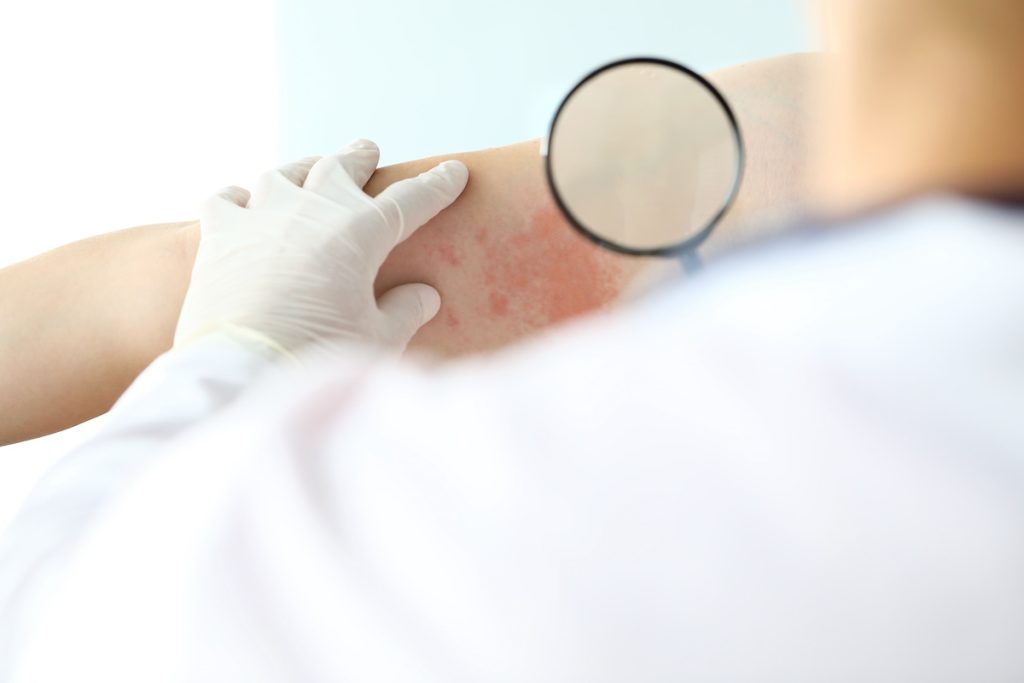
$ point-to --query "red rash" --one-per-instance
(549, 272)
(501, 280)
(499, 305)
(448, 254)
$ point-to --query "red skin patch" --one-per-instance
(499, 282)
(499, 305)
(550, 272)
(448, 255)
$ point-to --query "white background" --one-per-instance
(116, 113)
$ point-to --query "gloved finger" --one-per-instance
(410, 203)
(298, 171)
(234, 194)
(281, 188)
(231, 198)
(406, 309)
(337, 175)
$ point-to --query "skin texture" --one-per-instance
(502, 257)
(79, 323)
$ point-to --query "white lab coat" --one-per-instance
(808, 465)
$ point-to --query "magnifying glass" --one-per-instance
(644, 157)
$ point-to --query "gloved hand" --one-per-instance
(293, 265)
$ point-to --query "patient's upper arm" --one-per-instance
(502, 257)
(507, 264)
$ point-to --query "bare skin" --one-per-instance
(78, 324)
(506, 263)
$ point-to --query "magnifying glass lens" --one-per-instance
(644, 156)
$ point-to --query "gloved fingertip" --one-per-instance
(431, 303)
(297, 171)
(455, 171)
(363, 143)
(235, 195)
(407, 308)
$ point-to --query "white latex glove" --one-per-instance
(293, 265)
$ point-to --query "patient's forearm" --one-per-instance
(79, 323)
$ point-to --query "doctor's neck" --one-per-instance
(923, 96)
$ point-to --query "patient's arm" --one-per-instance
(502, 257)
(79, 323)
(505, 261)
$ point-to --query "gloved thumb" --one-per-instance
(406, 309)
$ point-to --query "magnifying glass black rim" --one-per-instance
(690, 243)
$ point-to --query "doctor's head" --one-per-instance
(923, 96)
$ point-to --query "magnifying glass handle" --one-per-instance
(691, 262)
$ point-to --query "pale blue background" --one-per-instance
(430, 77)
